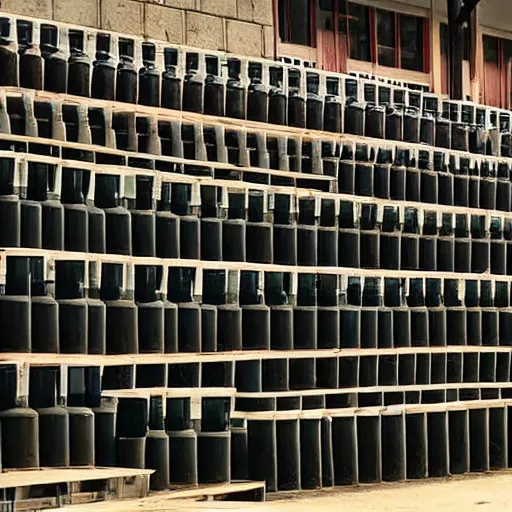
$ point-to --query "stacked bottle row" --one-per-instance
(383, 396)
(365, 371)
(116, 67)
(424, 176)
(137, 310)
(335, 378)
(396, 173)
(168, 228)
(389, 173)
(76, 210)
(292, 454)
(152, 135)
(411, 238)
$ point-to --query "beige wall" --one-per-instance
(239, 26)
(495, 14)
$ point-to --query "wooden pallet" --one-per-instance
(185, 499)
(52, 488)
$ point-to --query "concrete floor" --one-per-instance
(479, 493)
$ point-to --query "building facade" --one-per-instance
(371, 36)
(380, 37)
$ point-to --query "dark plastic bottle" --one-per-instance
(40, 177)
(20, 438)
(143, 219)
(157, 446)
(118, 230)
(354, 117)
(15, 307)
(70, 295)
(167, 227)
(79, 66)
(81, 436)
(76, 218)
(105, 433)
(55, 61)
(30, 61)
(121, 314)
(104, 70)
(149, 77)
(53, 420)
(126, 80)
(411, 125)
(284, 233)
(171, 82)
(8, 55)
(236, 94)
(150, 311)
(10, 209)
(257, 95)
(44, 312)
(193, 85)
(332, 114)
(277, 100)
(296, 102)
(375, 121)
(394, 123)
(314, 103)
(214, 88)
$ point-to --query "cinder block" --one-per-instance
(268, 42)
(219, 7)
(78, 13)
(163, 23)
(244, 38)
(180, 4)
(35, 8)
(258, 11)
(122, 16)
(204, 31)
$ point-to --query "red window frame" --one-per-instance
(372, 17)
(312, 22)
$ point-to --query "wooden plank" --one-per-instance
(45, 476)
(206, 120)
(216, 490)
(244, 186)
(373, 411)
(46, 359)
(258, 267)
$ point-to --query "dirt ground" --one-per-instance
(479, 493)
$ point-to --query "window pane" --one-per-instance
(324, 16)
(342, 16)
(325, 5)
(411, 42)
(359, 27)
(491, 49)
(283, 21)
(300, 22)
(386, 38)
(445, 39)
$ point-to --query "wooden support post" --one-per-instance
(456, 49)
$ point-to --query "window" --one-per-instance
(411, 42)
(386, 41)
(491, 50)
(295, 21)
(497, 72)
(387, 38)
(359, 32)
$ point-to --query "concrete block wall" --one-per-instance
(238, 26)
